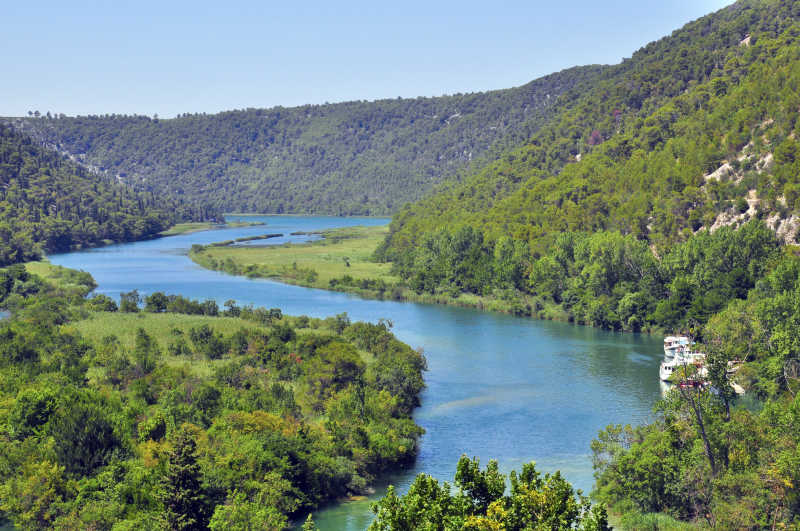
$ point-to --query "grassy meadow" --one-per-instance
(46, 270)
(71, 280)
(164, 328)
(341, 252)
(160, 326)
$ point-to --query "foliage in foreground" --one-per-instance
(197, 427)
(479, 502)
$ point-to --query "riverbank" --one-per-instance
(265, 399)
(342, 261)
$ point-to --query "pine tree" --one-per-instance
(182, 491)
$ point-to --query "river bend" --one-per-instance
(501, 387)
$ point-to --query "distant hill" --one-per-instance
(346, 158)
(50, 204)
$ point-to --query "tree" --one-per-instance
(84, 436)
(31, 411)
(309, 525)
(479, 503)
(482, 487)
(210, 307)
(34, 495)
(341, 321)
(129, 301)
(182, 491)
(241, 514)
(102, 303)
(231, 309)
(693, 393)
(156, 303)
(145, 352)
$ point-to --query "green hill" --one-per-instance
(50, 204)
(695, 131)
(634, 149)
(346, 158)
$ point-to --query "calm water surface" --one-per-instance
(499, 387)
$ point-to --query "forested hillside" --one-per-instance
(50, 204)
(347, 158)
(695, 132)
(633, 153)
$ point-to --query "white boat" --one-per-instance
(668, 367)
(676, 345)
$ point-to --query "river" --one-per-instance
(498, 386)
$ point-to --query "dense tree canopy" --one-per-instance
(239, 420)
(478, 500)
(50, 204)
(694, 130)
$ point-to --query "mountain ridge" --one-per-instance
(345, 158)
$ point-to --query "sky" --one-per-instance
(169, 57)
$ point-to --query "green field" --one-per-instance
(164, 328)
(67, 279)
(46, 270)
(161, 326)
(342, 252)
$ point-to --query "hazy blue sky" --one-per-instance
(170, 57)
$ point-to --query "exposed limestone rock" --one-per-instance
(723, 171)
(785, 229)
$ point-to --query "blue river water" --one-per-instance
(498, 386)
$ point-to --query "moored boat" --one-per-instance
(676, 345)
(669, 366)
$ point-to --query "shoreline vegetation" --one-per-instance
(342, 260)
(112, 411)
(300, 215)
(175, 230)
